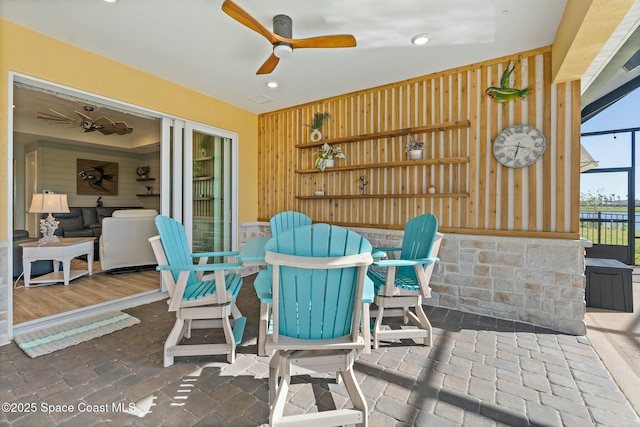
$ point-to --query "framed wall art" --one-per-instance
(95, 177)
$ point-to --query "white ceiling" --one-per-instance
(196, 45)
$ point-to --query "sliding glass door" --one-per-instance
(211, 192)
(205, 193)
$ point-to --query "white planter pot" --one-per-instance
(316, 135)
(415, 155)
(325, 164)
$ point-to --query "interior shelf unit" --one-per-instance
(202, 185)
(147, 194)
(337, 175)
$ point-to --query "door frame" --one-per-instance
(627, 255)
(172, 164)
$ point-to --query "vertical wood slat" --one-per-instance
(531, 190)
(498, 197)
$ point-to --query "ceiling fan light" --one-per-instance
(282, 51)
(420, 39)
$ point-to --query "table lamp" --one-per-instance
(49, 203)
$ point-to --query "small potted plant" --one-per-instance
(414, 148)
(143, 172)
(204, 146)
(325, 156)
(316, 125)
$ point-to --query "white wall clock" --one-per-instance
(519, 146)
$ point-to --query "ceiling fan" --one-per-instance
(281, 36)
(103, 125)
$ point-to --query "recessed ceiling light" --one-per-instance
(272, 84)
(420, 39)
(110, 1)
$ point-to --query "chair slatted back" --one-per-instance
(175, 245)
(419, 236)
(284, 221)
(320, 271)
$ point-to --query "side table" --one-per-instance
(63, 251)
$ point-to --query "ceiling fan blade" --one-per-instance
(338, 40)
(84, 117)
(55, 119)
(108, 126)
(269, 65)
(56, 116)
(240, 15)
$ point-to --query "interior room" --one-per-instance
(447, 131)
(51, 127)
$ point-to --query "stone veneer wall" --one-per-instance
(532, 280)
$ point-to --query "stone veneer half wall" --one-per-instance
(532, 280)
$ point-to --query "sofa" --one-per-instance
(85, 222)
(124, 242)
(39, 267)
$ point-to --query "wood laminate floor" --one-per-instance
(36, 302)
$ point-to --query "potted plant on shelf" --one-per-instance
(143, 172)
(414, 148)
(326, 154)
(204, 146)
(316, 125)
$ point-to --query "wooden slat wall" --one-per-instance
(478, 196)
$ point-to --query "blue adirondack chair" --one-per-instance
(402, 283)
(198, 301)
(284, 221)
(319, 271)
(280, 223)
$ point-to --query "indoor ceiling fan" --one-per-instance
(281, 36)
(103, 125)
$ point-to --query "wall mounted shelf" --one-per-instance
(402, 163)
(390, 133)
(382, 196)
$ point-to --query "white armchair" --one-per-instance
(125, 239)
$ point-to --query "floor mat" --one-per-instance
(48, 340)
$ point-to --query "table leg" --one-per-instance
(66, 270)
(26, 270)
(90, 260)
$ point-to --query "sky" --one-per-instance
(613, 150)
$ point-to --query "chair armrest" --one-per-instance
(200, 267)
(378, 253)
(368, 291)
(208, 254)
(404, 262)
(262, 283)
(387, 249)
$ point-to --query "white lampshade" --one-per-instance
(49, 203)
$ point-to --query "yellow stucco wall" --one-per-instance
(31, 53)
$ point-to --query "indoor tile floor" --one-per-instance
(480, 372)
